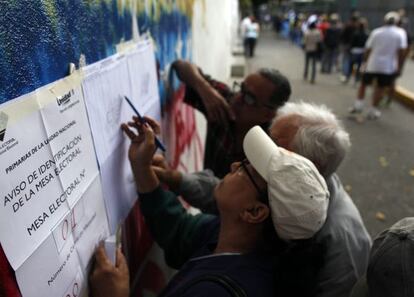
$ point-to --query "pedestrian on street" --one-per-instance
(359, 38)
(247, 20)
(385, 54)
(252, 34)
(331, 44)
(346, 38)
(312, 42)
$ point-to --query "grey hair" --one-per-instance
(320, 136)
(283, 89)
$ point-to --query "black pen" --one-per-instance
(142, 120)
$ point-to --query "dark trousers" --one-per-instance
(251, 44)
(356, 59)
(310, 57)
(329, 59)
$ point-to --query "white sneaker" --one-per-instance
(373, 114)
(357, 108)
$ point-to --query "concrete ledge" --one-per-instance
(238, 66)
(404, 96)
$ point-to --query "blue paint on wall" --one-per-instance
(171, 33)
(38, 42)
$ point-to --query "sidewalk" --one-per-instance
(405, 85)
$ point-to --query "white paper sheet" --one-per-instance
(59, 267)
(47, 160)
(106, 82)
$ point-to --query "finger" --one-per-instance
(159, 172)
(137, 124)
(121, 262)
(131, 135)
(154, 124)
(101, 258)
(149, 134)
(159, 160)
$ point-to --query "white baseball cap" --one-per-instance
(298, 194)
(392, 15)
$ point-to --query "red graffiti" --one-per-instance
(182, 130)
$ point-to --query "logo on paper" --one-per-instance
(64, 99)
(3, 124)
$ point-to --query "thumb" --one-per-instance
(121, 262)
(160, 172)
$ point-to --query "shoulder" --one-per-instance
(344, 219)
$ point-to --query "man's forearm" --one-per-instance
(198, 190)
(366, 55)
(401, 59)
(190, 75)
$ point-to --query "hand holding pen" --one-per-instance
(152, 123)
(141, 152)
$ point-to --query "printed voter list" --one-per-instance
(47, 161)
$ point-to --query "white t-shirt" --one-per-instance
(244, 24)
(252, 30)
(384, 43)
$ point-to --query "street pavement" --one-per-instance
(378, 172)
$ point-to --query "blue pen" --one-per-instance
(142, 120)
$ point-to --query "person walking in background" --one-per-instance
(323, 24)
(311, 42)
(385, 53)
(346, 38)
(358, 41)
(403, 25)
(331, 44)
(252, 33)
(243, 29)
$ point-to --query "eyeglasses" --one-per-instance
(248, 97)
(262, 193)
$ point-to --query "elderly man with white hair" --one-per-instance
(314, 132)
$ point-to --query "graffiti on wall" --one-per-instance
(39, 38)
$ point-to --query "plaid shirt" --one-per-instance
(220, 150)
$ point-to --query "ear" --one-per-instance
(256, 214)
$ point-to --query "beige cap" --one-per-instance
(298, 194)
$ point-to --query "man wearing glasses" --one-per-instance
(230, 112)
(279, 195)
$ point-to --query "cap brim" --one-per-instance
(259, 148)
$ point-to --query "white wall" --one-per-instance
(214, 31)
(212, 36)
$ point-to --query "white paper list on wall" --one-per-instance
(132, 74)
(65, 177)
